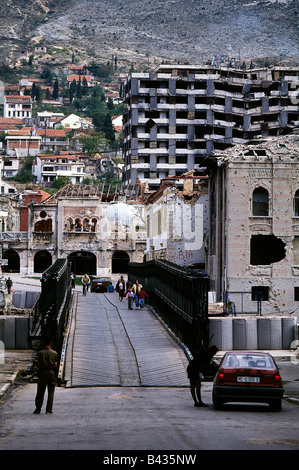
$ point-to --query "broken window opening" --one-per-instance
(266, 249)
(260, 202)
(43, 225)
(296, 203)
(260, 293)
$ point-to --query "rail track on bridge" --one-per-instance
(110, 345)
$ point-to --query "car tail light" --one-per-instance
(277, 380)
(220, 377)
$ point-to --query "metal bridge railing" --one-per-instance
(54, 302)
(180, 296)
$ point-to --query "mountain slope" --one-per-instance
(192, 30)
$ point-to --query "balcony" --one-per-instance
(13, 236)
(42, 237)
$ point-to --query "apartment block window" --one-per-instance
(260, 293)
(260, 202)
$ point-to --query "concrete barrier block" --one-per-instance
(245, 333)
(221, 333)
(269, 333)
(21, 334)
(288, 331)
(9, 333)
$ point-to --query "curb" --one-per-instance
(10, 382)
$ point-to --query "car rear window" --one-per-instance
(249, 360)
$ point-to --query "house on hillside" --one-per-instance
(73, 121)
(80, 78)
(53, 139)
(47, 168)
(17, 106)
(22, 142)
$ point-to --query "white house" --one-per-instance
(72, 121)
(47, 168)
(17, 106)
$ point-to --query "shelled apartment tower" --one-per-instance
(179, 115)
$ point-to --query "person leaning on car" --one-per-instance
(195, 371)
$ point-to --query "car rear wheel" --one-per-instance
(275, 405)
(216, 402)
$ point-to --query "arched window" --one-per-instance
(69, 224)
(78, 225)
(296, 203)
(260, 202)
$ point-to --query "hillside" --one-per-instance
(186, 30)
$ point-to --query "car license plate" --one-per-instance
(248, 379)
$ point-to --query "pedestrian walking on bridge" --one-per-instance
(136, 289)
(85, 281)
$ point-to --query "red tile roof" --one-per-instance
(51, 132)
(11, 121)
(18, 98)
(70, 78)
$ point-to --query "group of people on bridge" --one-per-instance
(132, 292)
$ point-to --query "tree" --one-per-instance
(84, 87)
(56, 90)
(48, 94)
(33, 91)
(38, 94)
(47, 75)
(79, 90)
(61, 181)
(24, 175)
(72, 90)
(93, 144)
(108, 128)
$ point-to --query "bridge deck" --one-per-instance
(111, 345)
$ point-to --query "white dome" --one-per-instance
(123, 213)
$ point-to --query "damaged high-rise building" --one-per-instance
(178, 115)
(254, 226)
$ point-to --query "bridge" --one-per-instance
(102, 343)
(110, 345)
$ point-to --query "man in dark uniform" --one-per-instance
(47, 365)
(195, 371)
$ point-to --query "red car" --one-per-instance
(245, 376)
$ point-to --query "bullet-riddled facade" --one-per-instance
(254, 230)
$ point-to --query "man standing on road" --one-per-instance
(47, 365)
(195, 370)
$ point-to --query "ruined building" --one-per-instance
(97, 228)
(178, 221)
(254, 225)
(180, 114)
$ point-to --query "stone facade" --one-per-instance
(254, 230)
